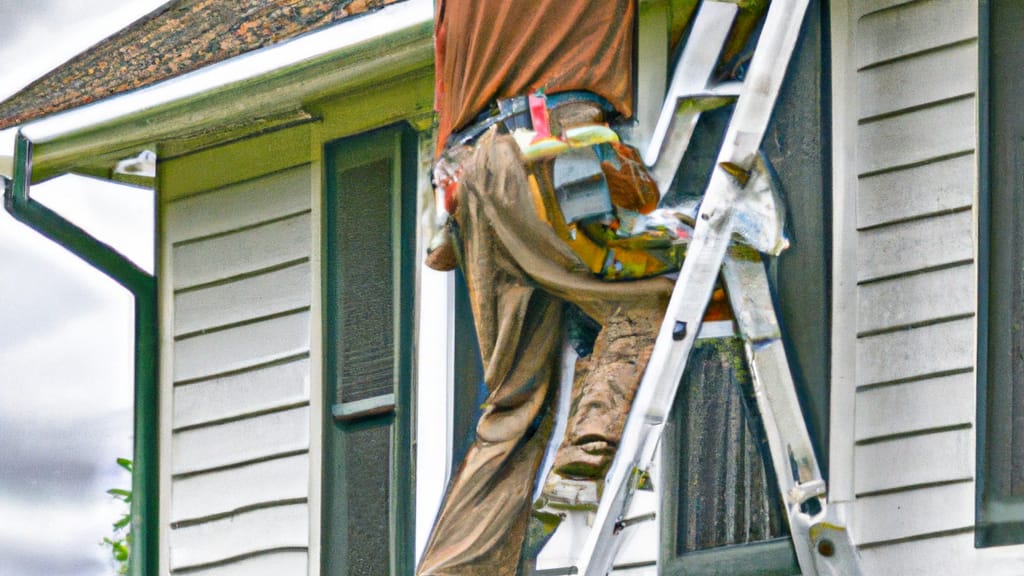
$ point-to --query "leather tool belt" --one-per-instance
(514, 114)
(601, 201)
(593, 190)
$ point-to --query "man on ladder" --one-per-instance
(523, 89)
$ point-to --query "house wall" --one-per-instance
(236, 272)
(241, 352)
(906, 134)
(236, 285)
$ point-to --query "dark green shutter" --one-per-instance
(365, 289)
(368, 256)
(1000, 466)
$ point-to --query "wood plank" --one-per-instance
(240, 440)
(920, 80)
(914, 460)
(934, 403)
(247, 250)
(996, 560)
(397, 99)
(228, 490)
(913, 27)
(237, 161)
(246, 299)
(239, 394)
(916, 352)
(918, 298)
(946, 555)
(916, 245)
(239, 205)
(241, 347)
(951, 555)
(246, 533)
(864, 7)
(285, 563)
(916, 136)
(917, 191)
(917, 512)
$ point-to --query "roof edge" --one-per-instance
(351, 54)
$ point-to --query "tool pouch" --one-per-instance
(593, 197)
(629, 184)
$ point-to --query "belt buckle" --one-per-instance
(514, 112)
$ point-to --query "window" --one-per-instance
(1000, 466)
(721, 511)
(369, 223)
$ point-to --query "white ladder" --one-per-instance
(822, 542)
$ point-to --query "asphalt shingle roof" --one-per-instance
(179, 37)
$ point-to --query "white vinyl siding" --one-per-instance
(915, 136)
(241, 535)
(240, 465)
(638, 554)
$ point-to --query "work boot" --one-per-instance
(603, 391)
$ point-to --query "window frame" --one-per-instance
(999, 511)
(803, 303)
(387, 410)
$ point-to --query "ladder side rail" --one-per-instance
(697, 62)
(696, 279)
(714, 222)
(796, 467)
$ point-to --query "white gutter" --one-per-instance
(354, 52)
(392, 18)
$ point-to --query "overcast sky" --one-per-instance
(65, 329)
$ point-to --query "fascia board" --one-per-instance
(273, 81)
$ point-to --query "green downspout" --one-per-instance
(142, 285)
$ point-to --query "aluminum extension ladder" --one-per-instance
(737, 190)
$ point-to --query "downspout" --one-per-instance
(142, 285)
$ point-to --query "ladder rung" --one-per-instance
(696, 64)
(627, 522)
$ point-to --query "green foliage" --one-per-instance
(120, 542)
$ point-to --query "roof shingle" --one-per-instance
(179, 37)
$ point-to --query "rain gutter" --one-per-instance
(356, 54)
(142, 285)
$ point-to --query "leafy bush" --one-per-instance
(120, 542)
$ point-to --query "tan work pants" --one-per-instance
(519, 275)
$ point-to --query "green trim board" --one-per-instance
(253, 154)
(357, 409)
(1000, 366)
(768, 558)
(369, 254)
(407, 97)
(233, 162)
(984, 211)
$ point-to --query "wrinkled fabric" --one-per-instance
(603, 390)
(520, 274)
(490, 49)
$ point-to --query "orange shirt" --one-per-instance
(490, 49)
